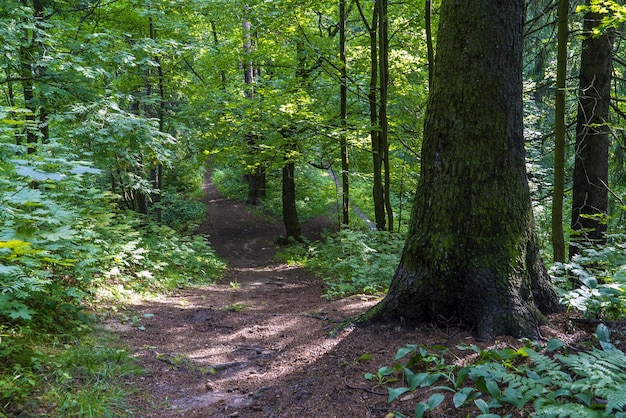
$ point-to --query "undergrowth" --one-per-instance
(538, 381)
(65, 247)
(350, 262)
(594, 282)
(72, 376)
(315, 191)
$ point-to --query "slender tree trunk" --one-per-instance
(372, 96)
(27, 57)
(290, 211)
(256, 176)
(157, 171)
(558, 238)
(471, 253)
(383, 58)
(591, 165)
(343, 93)
(430, 51)
(217, 44)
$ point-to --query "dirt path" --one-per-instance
(256, 344)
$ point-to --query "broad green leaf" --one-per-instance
(403, 351)
(21, 312)
(37, 175)
(415, 380)
(434, 400)
(395, 392)
(420, 409)
(461, 396)
(482, 406)
(554, 344)
(493, 388)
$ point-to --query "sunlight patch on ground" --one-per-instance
(265, 269)
(291, 359)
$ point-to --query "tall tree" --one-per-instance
(31, 70)
(343, 113)
(383, 66)
(372, 97)
(558, 238)
(256, 174)
(591, 164)
(471, 252)
(378, 93)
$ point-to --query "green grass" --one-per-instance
(82, 377)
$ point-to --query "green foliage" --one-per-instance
(152, 259)
(542, 381)
(351, 262)
(595, 281)
(181, 213)
(315, 191)
(78, 378)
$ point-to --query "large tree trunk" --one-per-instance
(591, 165)
(471, 253)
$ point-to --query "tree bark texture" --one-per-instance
(591, 164)
(471, 253)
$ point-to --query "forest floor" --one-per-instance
(257, 344)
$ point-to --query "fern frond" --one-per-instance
(597, 364)
(615, 396)
(568, 410)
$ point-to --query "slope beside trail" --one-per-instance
(256, 343)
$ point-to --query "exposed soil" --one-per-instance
(257, 343)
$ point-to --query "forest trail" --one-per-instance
(256, 343)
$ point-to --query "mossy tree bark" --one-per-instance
(471, 252)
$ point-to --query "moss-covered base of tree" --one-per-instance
(498, 312)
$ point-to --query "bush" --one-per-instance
(351, 262)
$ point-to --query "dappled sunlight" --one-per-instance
(266, 269)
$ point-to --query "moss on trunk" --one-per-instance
(471, 252)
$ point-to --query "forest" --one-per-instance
(379, 118)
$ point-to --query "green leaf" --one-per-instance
(403, 351)
(482, 406)
(36, 174)
(461, 396)
(493, 388)
(395, 392)
(420, 409)
(415, 380)
(589, 281)
(554, 344)
(434, 400)
(21, 312)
